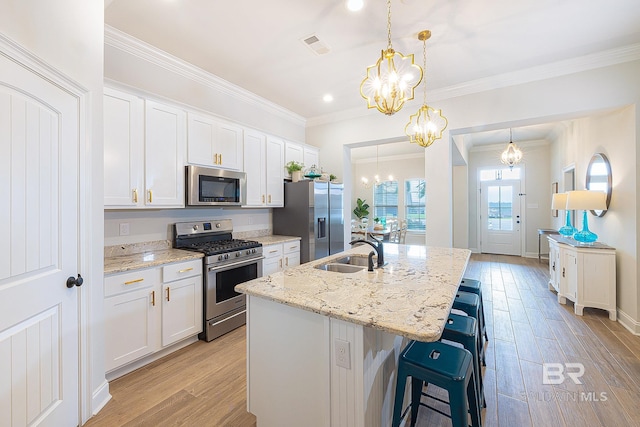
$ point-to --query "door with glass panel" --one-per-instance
(500, 217)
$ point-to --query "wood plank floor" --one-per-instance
(204, 384)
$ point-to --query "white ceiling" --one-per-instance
(256, 44)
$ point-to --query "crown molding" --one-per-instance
(542, 72)
(140, 49)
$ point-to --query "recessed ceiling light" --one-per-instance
(327, 98)
(355, 5)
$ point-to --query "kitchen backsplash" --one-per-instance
(147, 225)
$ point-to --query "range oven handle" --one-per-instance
(235, 264)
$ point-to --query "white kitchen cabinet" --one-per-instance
(181, 301)
(293, 153)
(264, 166)
(280, 256)
(311, 157)
(211, 142)
(554, 266)
(123, 149)
(147, 310)
(144, 152)
(586, 275)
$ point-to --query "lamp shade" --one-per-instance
(559, 201)
(586, 200)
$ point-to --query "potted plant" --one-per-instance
(361, 210)
(295, 170)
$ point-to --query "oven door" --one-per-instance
(220, 281)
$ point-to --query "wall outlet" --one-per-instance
(124, 229)
(343, 354)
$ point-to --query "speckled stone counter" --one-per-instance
(143, 255)
(411, 296)
(274, 239)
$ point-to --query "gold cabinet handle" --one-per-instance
(135, 195)
(220, 159)
(273, 251)
(263, 198)
(269, 198)
(131, 282)
(150, 196)
(168, 293)
(153, 298)
(185, 270)
(286, 261)
(280, 262)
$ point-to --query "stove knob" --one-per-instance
(219, 257)
(195, 227)
(226, 256)
(253, 251)
(237, 254)
(248, 252)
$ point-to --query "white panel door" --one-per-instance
(181, 309)
(500, 217)
(39, 142)
(229, 146)
(165, 137)
(200, 136)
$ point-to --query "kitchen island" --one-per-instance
(322, 346)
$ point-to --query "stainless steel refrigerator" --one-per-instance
(313, 211)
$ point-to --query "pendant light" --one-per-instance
(392, 80)
(427, 124)
(512, 155)
(376, 178)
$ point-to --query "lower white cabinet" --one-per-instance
(147, 310)
(584, 274)
(280, 256)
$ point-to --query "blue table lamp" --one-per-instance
(559, 202)
(586, 200)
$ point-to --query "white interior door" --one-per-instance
(500, 217)
(39, 137)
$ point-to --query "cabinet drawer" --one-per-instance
(181, 270)
(272, 251)
(292, 247)
(130, 281)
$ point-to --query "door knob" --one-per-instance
(72, 281)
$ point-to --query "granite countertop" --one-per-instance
(275, 239)
(120, 258)
(410, 296)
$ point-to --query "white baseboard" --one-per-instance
(628, 322)
(100, 397)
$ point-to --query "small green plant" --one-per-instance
(293, 166)
(332, 177)
(376, 220)
(362, 209)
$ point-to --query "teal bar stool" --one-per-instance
(445, 366)
(463, 330)
(475, 287)
(470, 304)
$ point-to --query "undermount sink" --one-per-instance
(354, 260)
(340, 268)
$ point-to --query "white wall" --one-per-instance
(156, 224)
(68, 35)
(571, 96)
(460, 203)
(535, 205)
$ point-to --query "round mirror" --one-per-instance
(599, 178)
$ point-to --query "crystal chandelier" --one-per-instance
(512, 155)
(392, 80)
(426, 125)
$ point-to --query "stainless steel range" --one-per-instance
(227, 262)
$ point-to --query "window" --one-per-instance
(385, 199)
(415, 197)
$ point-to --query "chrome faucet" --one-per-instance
(377, 246)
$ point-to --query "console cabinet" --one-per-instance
(584, 274)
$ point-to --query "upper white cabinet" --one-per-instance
(123, 149)
(264, 166)
(311, 157)
(164, 143)
(213, 143)
(143, 152)
(304, 154)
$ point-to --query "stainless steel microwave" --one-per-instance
(215, 187)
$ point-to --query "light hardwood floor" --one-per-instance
(204, 383)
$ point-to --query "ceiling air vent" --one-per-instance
(317, 46)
